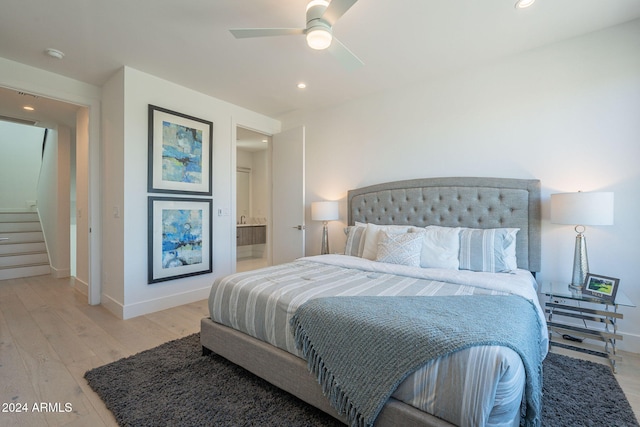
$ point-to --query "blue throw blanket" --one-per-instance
(362, 348)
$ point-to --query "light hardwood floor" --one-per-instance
(246, 264)
(49, 337)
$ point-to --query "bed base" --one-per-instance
(290, 374)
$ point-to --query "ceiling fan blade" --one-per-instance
(242, 33)
(344, 55)
(336, 9)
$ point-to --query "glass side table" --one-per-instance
(598, 332)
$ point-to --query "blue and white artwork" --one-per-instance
(181, 153)
(181, 237)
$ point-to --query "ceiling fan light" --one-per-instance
(319, 38)
(521, 4)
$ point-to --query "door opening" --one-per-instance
(253, 177)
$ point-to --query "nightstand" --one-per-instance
(591, 322)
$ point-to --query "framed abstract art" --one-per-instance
(180, 153)
(179, 238)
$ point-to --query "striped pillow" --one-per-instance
(355, 240)
(485, 249)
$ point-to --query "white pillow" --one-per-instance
(372, 236)
(403, 249)
(440, 247)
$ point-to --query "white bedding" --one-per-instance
(473, 387)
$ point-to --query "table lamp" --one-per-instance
(580, 209)
(324, 211)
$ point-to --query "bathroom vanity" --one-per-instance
(249, 234)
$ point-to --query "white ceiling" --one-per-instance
(188, 42)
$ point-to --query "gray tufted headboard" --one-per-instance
(457, 202)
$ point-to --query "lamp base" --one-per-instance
(574, 287)
(580, 261)
(325, 239)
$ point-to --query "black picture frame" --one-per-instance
(180, 157)
(179, 238)
(601, 287)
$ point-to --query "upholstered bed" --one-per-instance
(439, 225)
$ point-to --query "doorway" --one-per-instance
(252, 199)
(72, 121)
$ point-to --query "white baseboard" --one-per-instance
(60, 273)
(629, 343)
(112, 305)
(81, 286)
(151, 306)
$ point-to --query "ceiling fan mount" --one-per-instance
(318, 31)
(321, 15)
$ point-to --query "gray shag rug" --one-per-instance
(174, 385)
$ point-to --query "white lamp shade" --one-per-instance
(324, 211)
(588, 208)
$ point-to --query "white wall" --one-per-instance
(82, 199)
(125, 103)
(112, 193)
(260, 184)
(53, 199)
(258, 162)
(21, 147)
(566, 114)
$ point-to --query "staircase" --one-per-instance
(23, 252)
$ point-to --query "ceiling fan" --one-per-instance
(321, 16)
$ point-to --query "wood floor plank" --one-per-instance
(15, 387)
(629, 378)
(100, 410)
(31, 299)
(199, 308)
(61, 337)
(49, 378)
(7, 287)
(106, 348)
(177, 321)
(129, 333)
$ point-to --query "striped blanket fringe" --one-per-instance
(362, 402)
(337, 398)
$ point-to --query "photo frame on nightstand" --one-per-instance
(601, 287)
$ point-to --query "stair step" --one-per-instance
(24, 271)
(15, 248)
(22, 237)
(20, 260)
(19, 217)
(23, 252)
(13, 227)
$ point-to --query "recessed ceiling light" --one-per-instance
(302, 85)
(54, 53)
(521, 4)
(28, 108)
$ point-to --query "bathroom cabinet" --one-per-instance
(251, 235)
